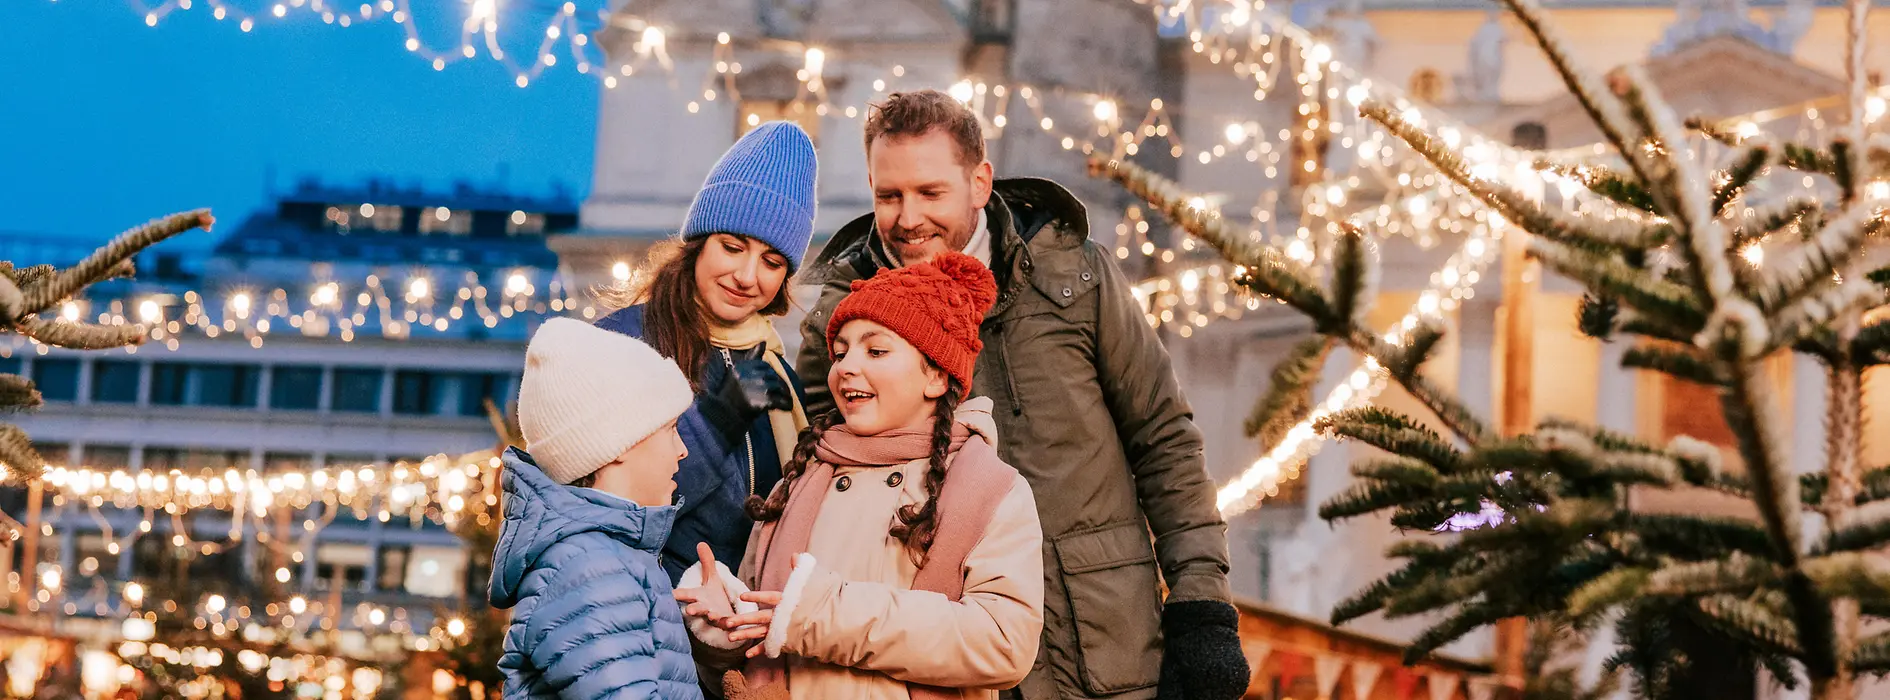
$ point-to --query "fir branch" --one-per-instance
(1597, 316)
(1872, 344)
(1373, 598)
(80, 336)
(1397, 470)
(1288, 399)
(1603, 109)
(1270, 273)
(1752, 162)
(1677, 183)
(1464, 621)
(1872, 654)
(22, 462)
(1621, 189)
(1680, 361)
(1752, 622)
(1352, 271)
(17, 393)
(106, 260)
(1412, 440)
(1532, 216)
(1370, 497)
(1866, 528)
(1414, 352)
(1637, 324)
(1806, 315)
(1752, 413)
(1699, 462)
(1799, 270)
(1698, 536)
(1665, 301)
(1739, 573)
(1762, 223)
(1606, 591)
(1859, 575)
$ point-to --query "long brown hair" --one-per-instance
(918, 522)
(674, 322)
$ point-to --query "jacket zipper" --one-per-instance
(1010, 377)
(748, 435)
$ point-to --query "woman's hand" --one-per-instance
(753, 626)
(709, 600)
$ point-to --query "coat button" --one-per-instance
(843, 483)
(1066, 292)
(1085, 277)
(895, 480)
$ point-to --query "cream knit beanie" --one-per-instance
(590, 394)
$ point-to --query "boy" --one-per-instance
(586, 512)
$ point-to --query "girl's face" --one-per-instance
(880, 381)
(737, 276)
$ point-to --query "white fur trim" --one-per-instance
(704, 630)
(790, 597)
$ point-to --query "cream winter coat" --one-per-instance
(850, 627)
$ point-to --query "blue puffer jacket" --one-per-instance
(592, 614)
(713, 479)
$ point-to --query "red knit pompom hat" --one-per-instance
(936, 307)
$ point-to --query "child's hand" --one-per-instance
(709, 600)
(753, 626)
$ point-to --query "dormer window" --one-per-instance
(442, 220)
(522, 223)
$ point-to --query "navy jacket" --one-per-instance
(592, 614)
(713, 480)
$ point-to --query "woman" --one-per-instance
(707, 306)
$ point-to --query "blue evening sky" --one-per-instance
(105, 122)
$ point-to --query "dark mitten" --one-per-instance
(1201, 656)
(742, 395)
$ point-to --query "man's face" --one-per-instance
(924, 201)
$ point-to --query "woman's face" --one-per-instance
(737, 276)
(880, 381)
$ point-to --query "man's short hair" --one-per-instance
(912, 114)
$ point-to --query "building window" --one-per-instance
(418, 393)
(1427, 85)
(391, 575)
(194, 459)
(441, 220)
(434, 571)
(476, 387)
(522, 223)
(1530, 135)
(107, 456)
(277, 462)
(342, 566)
(357, 390)
(56, 378)
(182, 384)
(754, 113)
(378, 218)
(10, 365)
(58, 454)
(115, 381)
(346, 460)
(293, 388)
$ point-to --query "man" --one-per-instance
(1088, 410)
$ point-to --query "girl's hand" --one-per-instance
(709, 600)
(753, 626)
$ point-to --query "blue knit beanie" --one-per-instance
(762, 188)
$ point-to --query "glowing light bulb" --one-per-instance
(652, 38)
(298, 604)
(1319, 53)
(376, 616)
(620, 271)
(815, 61)
(961, 91)
(69, 311)
(1236, 133)
(516, 284)
(282, 575)
(484, 13)
(215, 604)
(1746, 130)
(240, 302)
(456, 627)
(1106, 111)
(50, 580)
(419, 288)
(134, 593)
(1753, 254)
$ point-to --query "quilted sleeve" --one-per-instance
(591, 629)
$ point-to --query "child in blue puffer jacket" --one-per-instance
(586, 514)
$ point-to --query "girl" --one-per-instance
(899, 557)
(708, 308)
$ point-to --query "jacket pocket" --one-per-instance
(1111, 580)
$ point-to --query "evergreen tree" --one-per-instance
(1670, 275)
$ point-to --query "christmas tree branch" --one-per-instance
(1288, 399)
(80, 336)
(106, 261)
(1803, 267)
(1602, 108)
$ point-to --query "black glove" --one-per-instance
(1201, 655)
(744, 394)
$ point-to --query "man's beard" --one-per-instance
(953, 243)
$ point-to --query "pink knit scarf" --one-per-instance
(976, 480)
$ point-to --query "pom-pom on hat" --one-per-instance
(936, 307)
